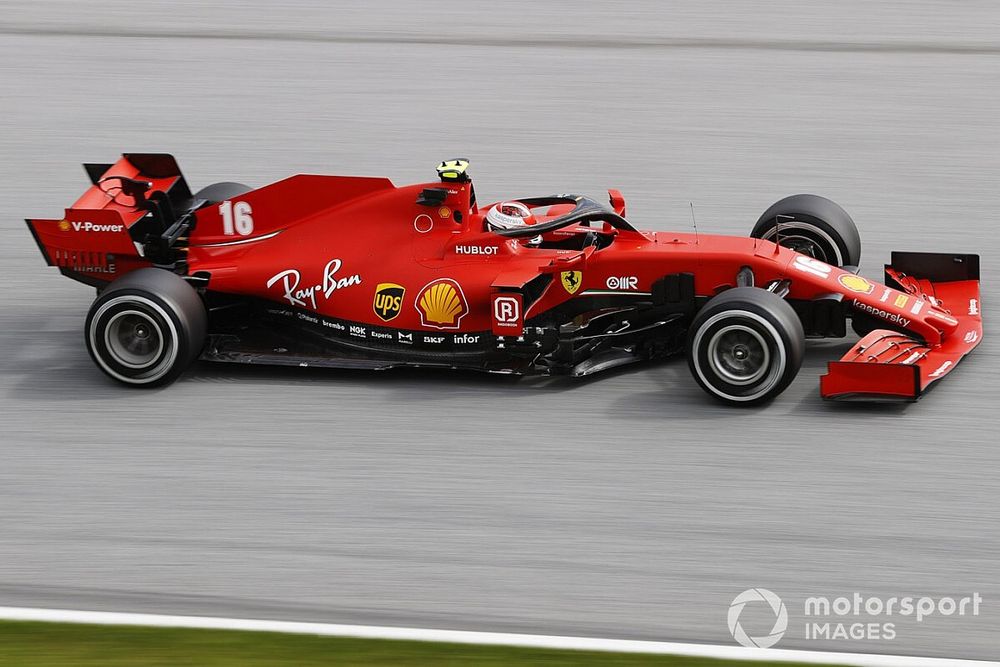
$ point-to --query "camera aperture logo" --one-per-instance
(847, 617)
(757, 595)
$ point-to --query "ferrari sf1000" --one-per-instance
(344, 271)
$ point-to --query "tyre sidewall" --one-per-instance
(818, 218)
(776, 322)
(179, 321)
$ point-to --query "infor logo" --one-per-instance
(777, 607)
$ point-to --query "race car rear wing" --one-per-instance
(133, 212)
(889, 364)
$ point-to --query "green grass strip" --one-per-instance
(33, 644)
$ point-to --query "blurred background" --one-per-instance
(627, 506)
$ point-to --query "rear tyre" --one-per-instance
(745, 346)
(814, 226)
(218, 192)
(146, 328)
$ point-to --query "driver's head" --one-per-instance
(509, 215)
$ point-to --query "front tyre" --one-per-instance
(745, 346)
(814, 226)
(146, 328)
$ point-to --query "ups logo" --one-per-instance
(388, 300)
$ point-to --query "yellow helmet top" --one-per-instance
(454, 170)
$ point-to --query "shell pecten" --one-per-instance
(442, 304)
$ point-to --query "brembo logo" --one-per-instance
(93, 227)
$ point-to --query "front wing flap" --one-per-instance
(888, 364)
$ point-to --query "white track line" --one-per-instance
(490, 638)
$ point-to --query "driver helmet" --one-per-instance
(509, 215)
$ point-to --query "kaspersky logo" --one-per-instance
(388, 300)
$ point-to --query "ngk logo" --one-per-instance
(507, 316)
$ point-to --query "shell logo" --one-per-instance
(442, 304)
(64, 225)
(856, 283)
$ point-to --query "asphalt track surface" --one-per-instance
(626, 506)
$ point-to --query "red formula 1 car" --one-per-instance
(355, 272)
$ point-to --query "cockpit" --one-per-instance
(570, 222)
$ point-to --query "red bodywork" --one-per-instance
(366, 252)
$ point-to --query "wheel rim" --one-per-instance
(739, 354)
(709, 372)
(805, 246)
(133, 339)
(116, 347)
(808, 240)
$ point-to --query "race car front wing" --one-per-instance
(891, 364)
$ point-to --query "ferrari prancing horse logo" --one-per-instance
(571, 280)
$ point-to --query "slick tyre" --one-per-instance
(218, 192)
(745, 346)
(814, 226)
(146, 328)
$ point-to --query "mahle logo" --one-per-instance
(753, 597)
(388, 300)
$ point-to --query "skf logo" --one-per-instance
(442, 304)
(507, 315)
(571, 280)
(973, 306)
(388, 300)
(856, 283)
